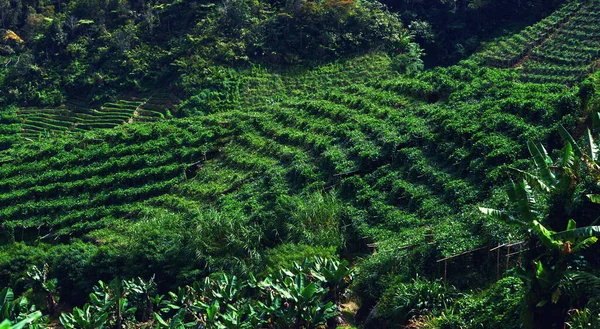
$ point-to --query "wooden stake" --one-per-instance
(507, 256)
(498, 263)
(445, 271)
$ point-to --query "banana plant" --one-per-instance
(109, 306)
(225, 288)
(244, 317)
(30, 321)
(84, 318)
(558, 179)
(19, 310)
(334, 274)
(41, 283)
(550, 253)
(176, 322)
(301, 301)
(141, 293)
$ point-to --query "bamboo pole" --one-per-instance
(498, 263)
(507, 255)
(445, 271)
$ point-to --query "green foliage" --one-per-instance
(410, 62)
(100, 48)
(18, 310)
(313, 220)
(584, 318)
(554, 258)
(304, 295)
(270, 165)
(495, 307)
(285, 255)
(403, 301)
(30, 321)
(112, 305)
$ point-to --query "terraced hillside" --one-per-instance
(563, 48)
(78, 117)
(404, 155)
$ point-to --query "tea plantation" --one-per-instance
(344, 192)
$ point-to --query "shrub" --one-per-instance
(312, 220)
(495, 308)
(285, 255)
(402, 301)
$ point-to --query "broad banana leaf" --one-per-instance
(497, 214)
(595, 198)
(521, 195)
(564, 134)
(567, 156)
(6, 298)
(577, 234)
(533, 180)
(546, 236)
(542, 162)
(592, 148)
(584, 244)
(28, 320)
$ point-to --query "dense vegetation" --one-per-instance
(289, 164)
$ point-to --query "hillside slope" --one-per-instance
(400, 157)
(562, 48)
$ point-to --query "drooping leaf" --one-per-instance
(584, 244)
(571, 225)
(497, 214)
(546, 236)
(578, 233)
(592, 148)
(520, 194)
(595, 198)
(28, 320)
(567, 156)
(160, 320)
(542, 162)
(564, 134)
(532, 180)
(556, 295)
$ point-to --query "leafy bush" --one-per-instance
(497, 307)
(403, 301)
(312, 220)
(285, 255)
(305, 295)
